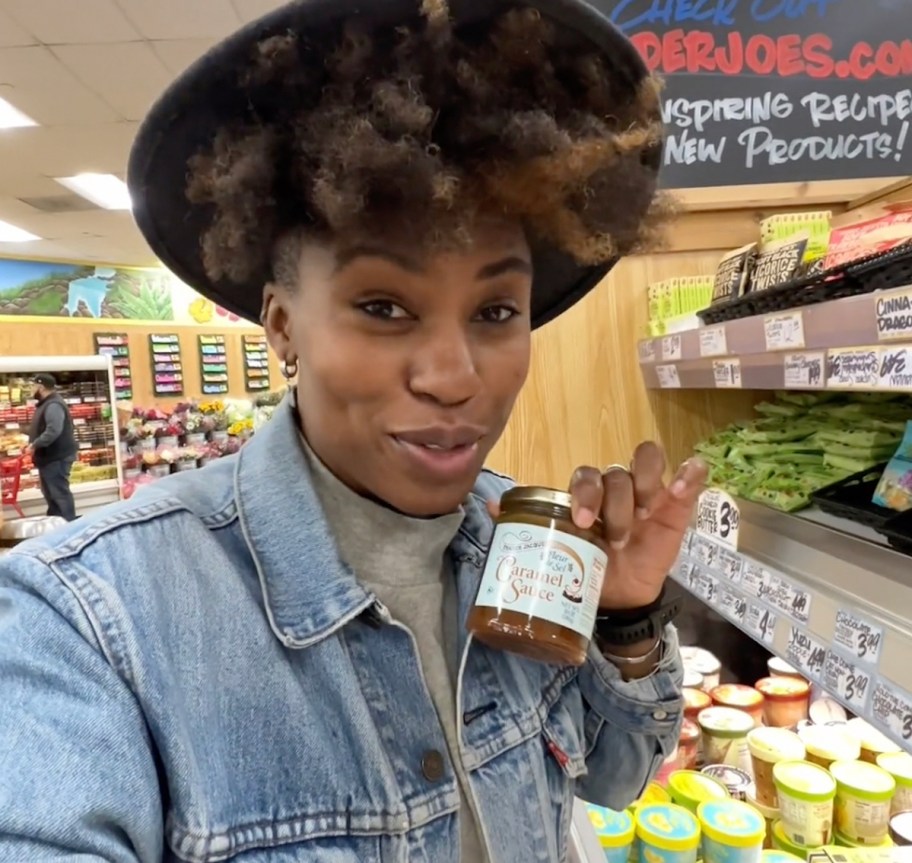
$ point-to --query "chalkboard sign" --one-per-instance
(770, 91)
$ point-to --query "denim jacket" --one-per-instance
(194, 675)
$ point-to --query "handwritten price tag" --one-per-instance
(804, 371)
(784, 332)
(727, 374)
(755, 580)
(848, 681)
(794, 601)
(895, 369)
(860, 638)
(647, 351)
(760, 622)
(671, 348)
(718, 517)
(891, 708)
(705, 551)
(853, 368)
(706, 587)
(688, 539)
(732, 606)
(668, 377)
(713, 342)
(682, 573)
(806, 653)
(729, 565)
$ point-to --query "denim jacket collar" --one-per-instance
(308, 591)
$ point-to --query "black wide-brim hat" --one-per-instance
(209, 96)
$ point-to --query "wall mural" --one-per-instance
(51, 289)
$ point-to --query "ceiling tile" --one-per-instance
(37, 83)
(12, 34)
(248, 10)
(140, 78)
(182, 19)
(178, 54)
(58, 22)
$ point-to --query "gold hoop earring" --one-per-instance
(289, 369)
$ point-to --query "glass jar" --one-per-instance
(542, 582)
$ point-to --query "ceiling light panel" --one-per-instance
(104, 190)
(11, 234)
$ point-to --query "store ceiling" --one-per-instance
(86, 71)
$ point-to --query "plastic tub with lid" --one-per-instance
(901, 828)
(825, 710)
(825, 744)
(863, 795)
(740, 697)
(738, 782)
(692, 679)
(667, 833)
(614, 830)
(806, 796)
(786, 700)
(780, 668)
(725, 733)
(899, 766)
(768, 746)
(689, 745)
(782, 842)
(873, 743)
(689, 789)
(695, 702)
(774, 855)
(845, 842)
(733, 832)
(770, 816)
(703, 662)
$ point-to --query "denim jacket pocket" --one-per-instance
(564, 742)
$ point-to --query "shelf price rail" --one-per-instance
(836, 607)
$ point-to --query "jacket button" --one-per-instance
(433, 766)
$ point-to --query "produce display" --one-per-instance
(803, 442)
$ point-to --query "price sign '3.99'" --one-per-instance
(718, 517)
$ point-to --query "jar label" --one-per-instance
(545, 574)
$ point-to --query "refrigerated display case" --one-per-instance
(86, 383)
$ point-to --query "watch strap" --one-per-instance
(619, 629)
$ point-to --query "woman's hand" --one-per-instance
(643, 522)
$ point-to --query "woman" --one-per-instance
(267, 660)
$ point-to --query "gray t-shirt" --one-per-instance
(403, 561)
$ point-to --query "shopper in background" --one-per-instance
(52, 444)
(267, 660)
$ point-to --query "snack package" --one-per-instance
(779, 262)
(894, 490)
(815, 227)
(733, 273)
(874, 236)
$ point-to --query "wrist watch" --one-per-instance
(622, 628)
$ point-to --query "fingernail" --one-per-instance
(679, 486)
(642, 513)
(585, 517)
(621, 544)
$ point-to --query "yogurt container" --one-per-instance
(689, 789)
(695, 702)
(786, 700)
(772, 855)
(733, 832)
(740, 697)
(781, 842)
(873, 743)
(738, 783)
(615, 832)
(703, 662)
(689, 745)
(770, 816)
(769, 746)
(806, 795)
(667, 834)
(825, 744)
(863, 795)
(901, 828)
(899, 766)
(725, 733)
(825, 709)
(693, 679)
(780, 668)
(654, 793)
